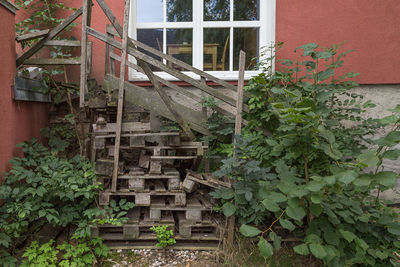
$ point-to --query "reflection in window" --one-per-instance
(179, 10)
(216, 49)
(179, 44)
(216, 10)
(246, 10)
(153, 38)
(149, 10)
(246, 39)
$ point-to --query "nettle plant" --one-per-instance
(312, 177)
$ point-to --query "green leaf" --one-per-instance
(270, 205)
(347, 177)
(265, 248)
(331, 237)
(277, 197)
(301, 249)
(315, 186)
(363, 180)
(296, 213)
(308, 48)
(317, 250)
(249, 231)
(277, 240)
(316, 209)
(392, 139)
(287, 224)
(361, 243)
(395, 230)
(386, 178)
(316, 199)
(392, 154)
(349, 236)
(368, 158)
(228, 209)
(330, 151)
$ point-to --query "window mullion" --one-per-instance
(231, 37)
(197, 34)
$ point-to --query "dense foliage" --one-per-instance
(80, 254)
(311, 178)
(47, 187)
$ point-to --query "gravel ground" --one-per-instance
(156, 258)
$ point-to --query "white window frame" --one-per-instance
(266, 25)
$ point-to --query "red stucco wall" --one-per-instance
(19, 120)
(370, 27)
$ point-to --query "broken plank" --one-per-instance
(52, 61)
(126, 127)
(121, 89)
(69, 43)
(31, 35)
(150, 100)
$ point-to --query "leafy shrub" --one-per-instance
(312, 175)
(45, 187)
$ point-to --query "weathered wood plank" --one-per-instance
(52, 61)
(68, 43)
(31, 35)
(239, 100)
(84, 49)
(121, 89)
(167, 101)
(53, 33)
(150, 100)
(126, 127)
(238, 130)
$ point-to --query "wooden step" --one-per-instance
(142, 199)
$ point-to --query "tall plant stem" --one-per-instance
(69, 101)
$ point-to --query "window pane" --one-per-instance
(179, 10)
(179, 45)
(149, 10)
(216, 49)
(246, 10)
(153, 38)
(216, 10)
(246, 39)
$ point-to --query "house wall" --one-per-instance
(19, 120)
(370, 27)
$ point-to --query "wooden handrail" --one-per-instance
(231, 99)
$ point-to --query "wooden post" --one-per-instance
(204, 112)
(238, 129)
(83, 77)
(120, 95)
